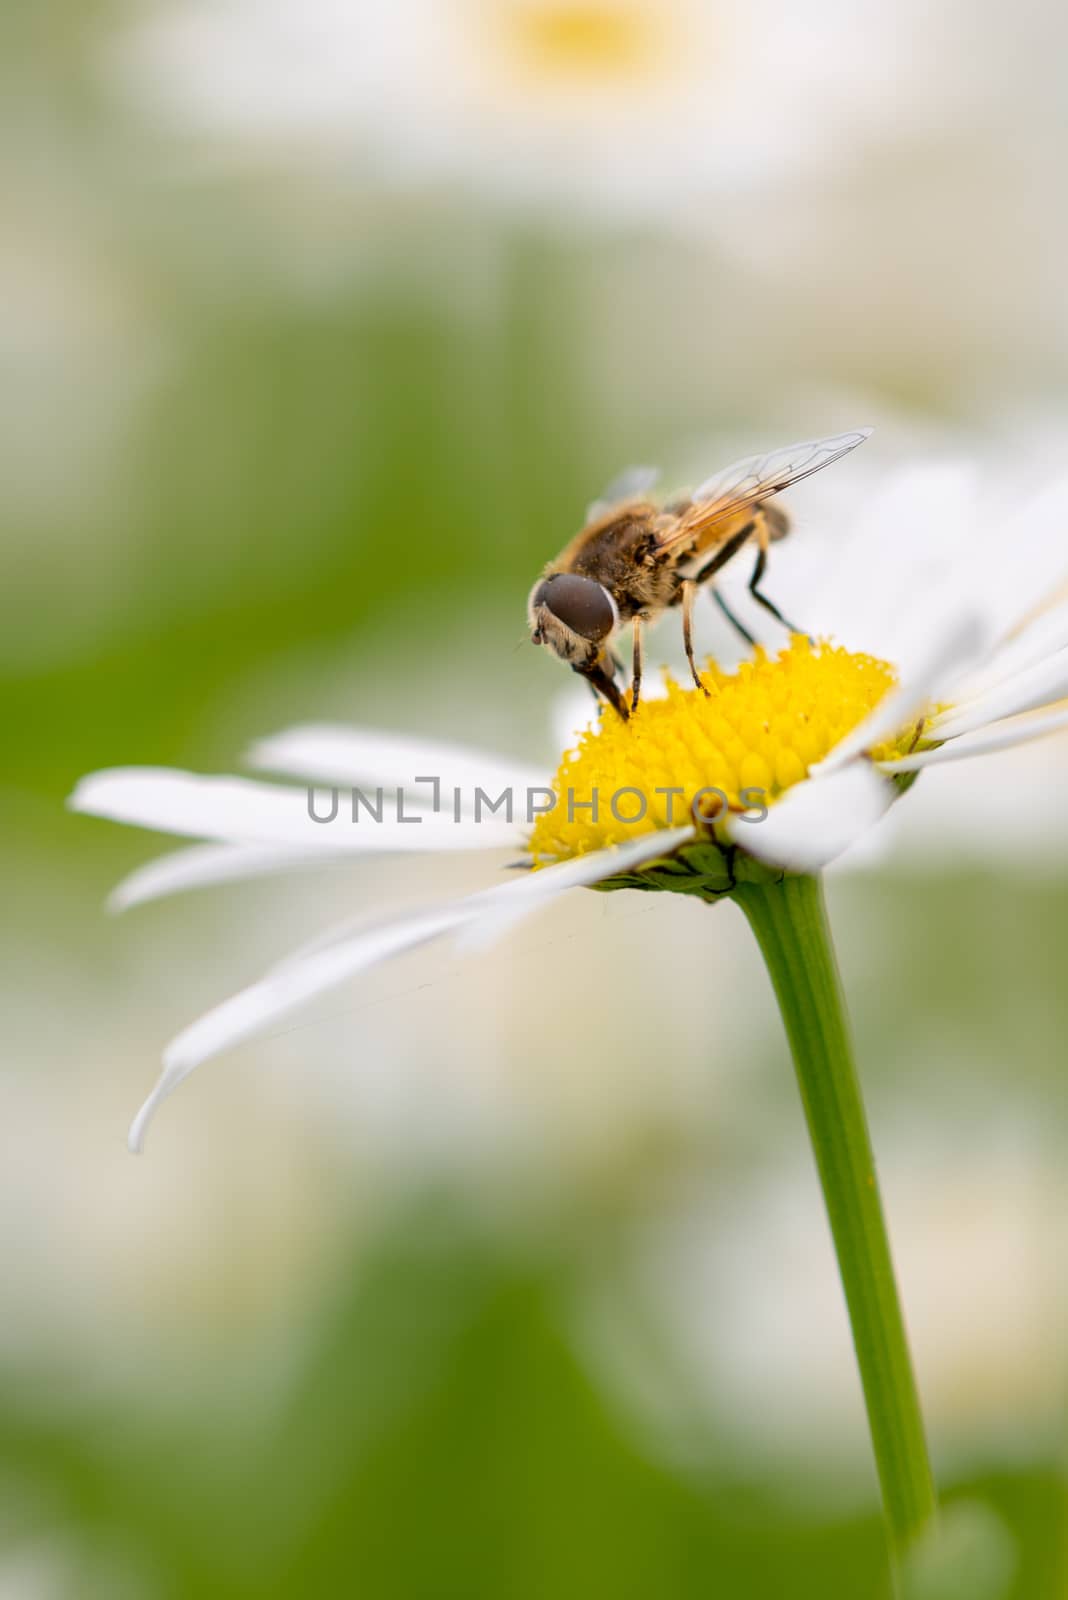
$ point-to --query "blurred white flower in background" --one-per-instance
(739, 1280)
(622, 107)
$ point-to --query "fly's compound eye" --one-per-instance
(581, 604)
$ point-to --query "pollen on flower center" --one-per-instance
(582, 40)
(758, 729)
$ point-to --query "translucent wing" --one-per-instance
(633, 483)
(757, 478)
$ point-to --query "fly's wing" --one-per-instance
(633, 483)
(748, 483)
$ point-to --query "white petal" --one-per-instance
(500, 908)
(330, 961)
(242, 811)
(1028, 555)
(329, 753)
(1041, 638)
(945, 655)
(1005, 814)
(880, 586)
(282, 990)
(1040, 685)
(995, 736)
(572, 713)
(201, 865)
(816, 820)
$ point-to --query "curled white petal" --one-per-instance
(1037, 564)
(500, 908)
(1040, 639)
(946, 654)
(244, 811)
(331, 753)
(1039, 685)
(983, 742)
(816, 820)
(201, 865)
(281, 991)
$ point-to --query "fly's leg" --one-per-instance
(709, 570)
(760, 527)
(724, 553)
(639, 654)
(739, 627)
(689, 595)
(759, 568)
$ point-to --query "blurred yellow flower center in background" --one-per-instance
(576, 41)
(759, 728)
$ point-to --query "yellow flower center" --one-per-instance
(582, 41)
(753, 736)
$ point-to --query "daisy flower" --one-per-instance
(929, 646)
(624, 107)
(824, 737)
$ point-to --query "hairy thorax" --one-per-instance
(621, 551)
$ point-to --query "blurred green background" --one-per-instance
(409, 1300)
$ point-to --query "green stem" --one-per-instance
(790, 923)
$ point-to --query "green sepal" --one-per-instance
(707, 868)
